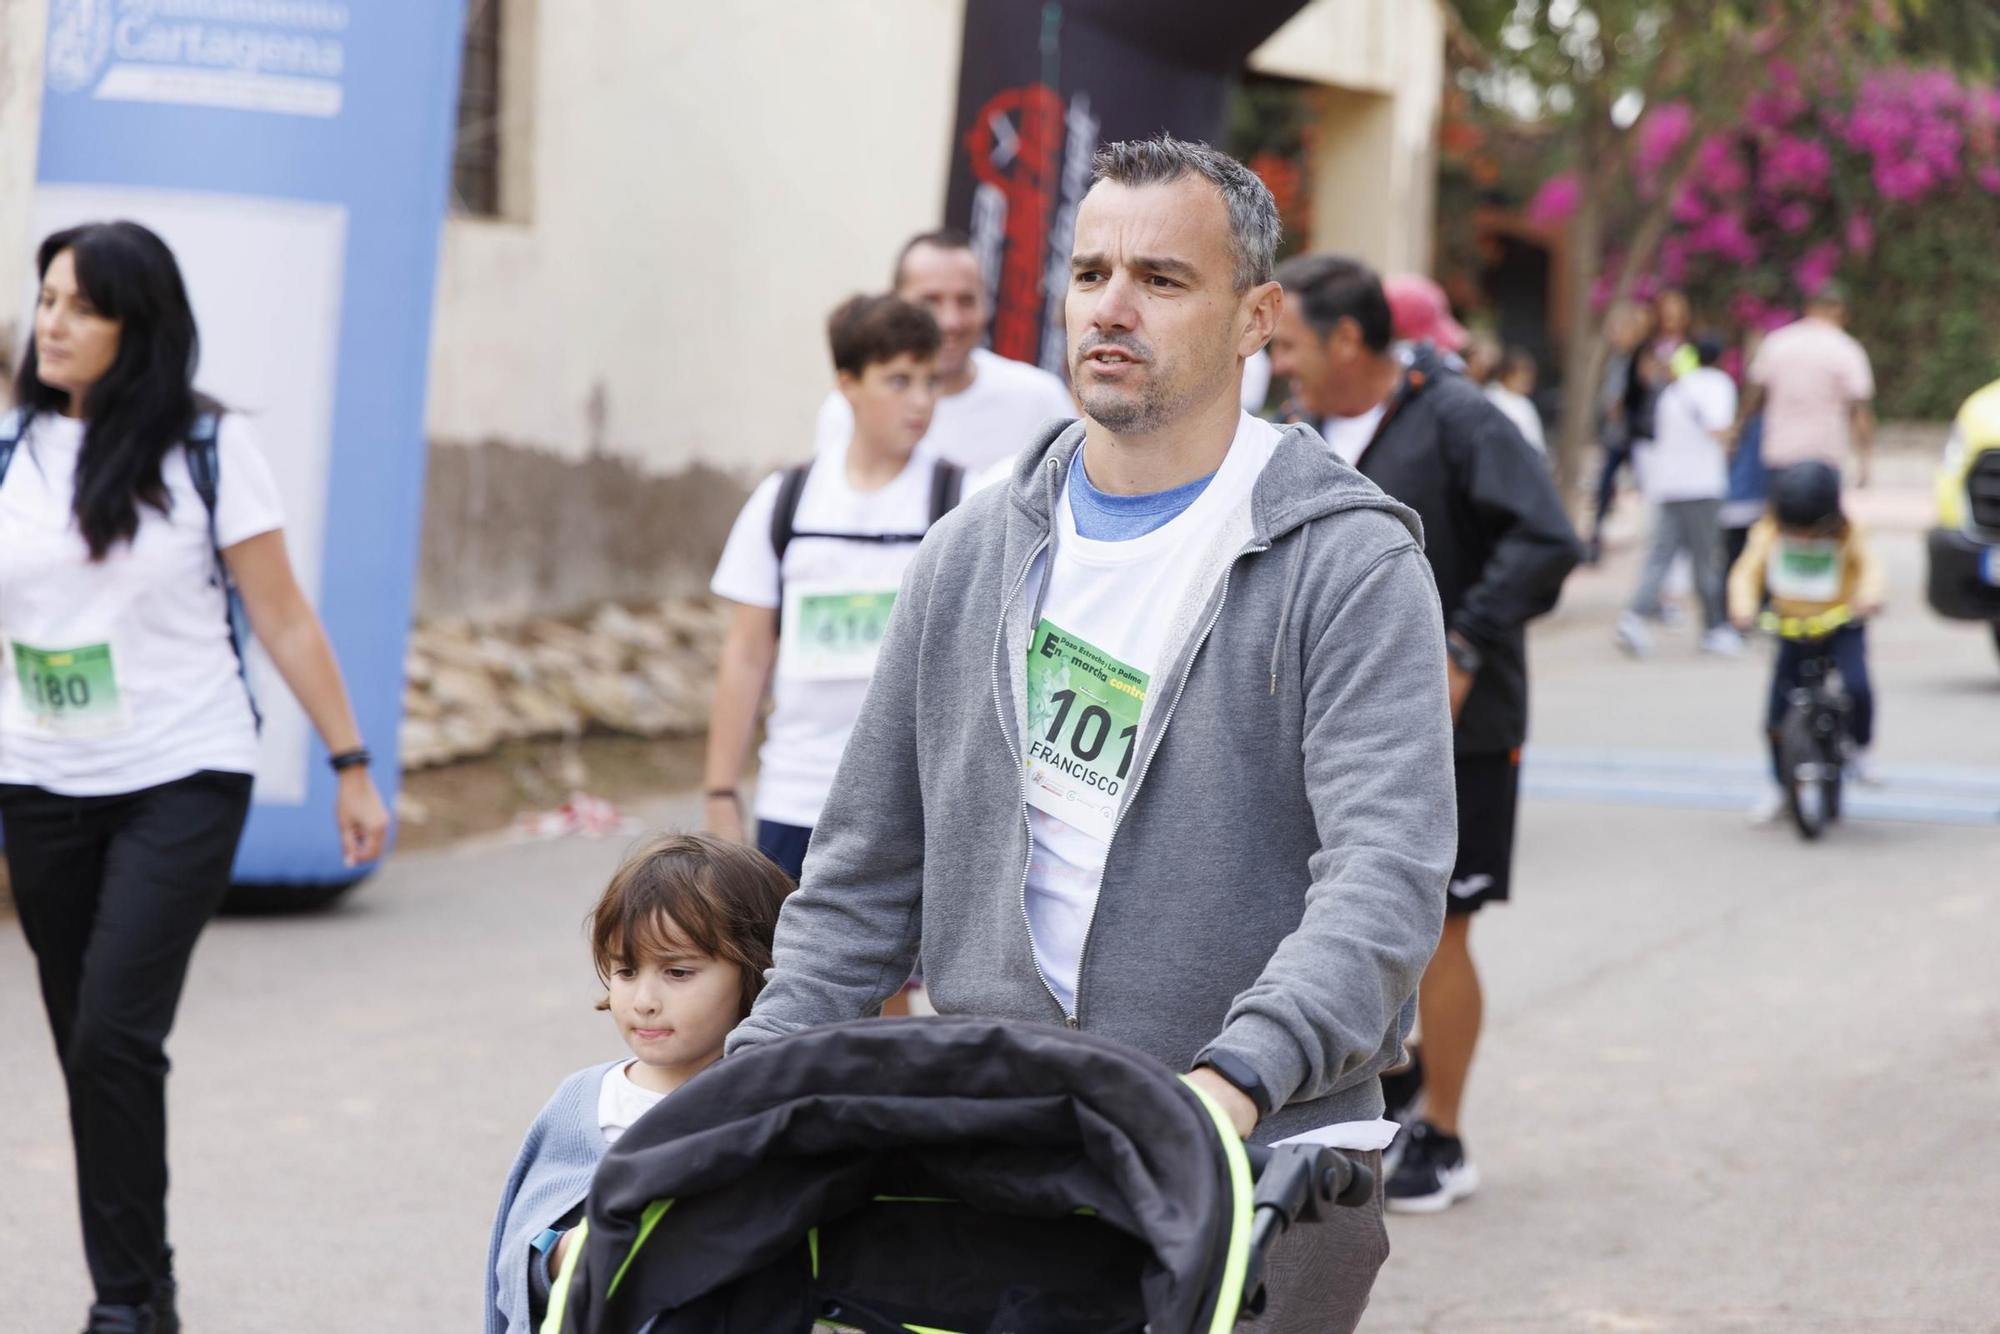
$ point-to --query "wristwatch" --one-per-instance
(1238, 1072)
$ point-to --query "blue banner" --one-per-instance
(294, 153)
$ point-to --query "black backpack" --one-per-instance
(947, 487)
(204, 462)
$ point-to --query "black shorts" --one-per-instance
(1489, 789)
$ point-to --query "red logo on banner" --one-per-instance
(1015, 145)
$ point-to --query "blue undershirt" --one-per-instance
(1107, 518)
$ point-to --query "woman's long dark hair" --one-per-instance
(146, 403)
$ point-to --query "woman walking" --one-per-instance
(128, 505)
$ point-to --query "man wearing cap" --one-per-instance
(1420, 315)
(1499, 545)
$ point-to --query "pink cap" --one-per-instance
(1419, 311)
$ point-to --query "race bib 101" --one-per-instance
(1805, 570)
(833, 634)
(1083, 726)
(70, 692)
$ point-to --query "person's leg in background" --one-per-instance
(1701, 531)
(1433, 1170)
(166, 870)
(784, 844)
(1632, 632)
(1617, 453)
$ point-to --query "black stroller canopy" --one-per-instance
(936, 1173)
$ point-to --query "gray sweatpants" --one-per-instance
(1693, 526)
(1320, 1274)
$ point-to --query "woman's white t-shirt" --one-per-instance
(120, 675)
(837, 597)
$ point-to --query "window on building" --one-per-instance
(475, 167)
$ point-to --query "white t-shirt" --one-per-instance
(1256, 381)
(837, 597)
(1109, 606)
(992, 419)
(620, 1102)
(1686, 459)
(1520, 410)
(120, 675)
(1349, 437)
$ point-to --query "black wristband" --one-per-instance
(722, 792)
(1238, 1072)
(358, 758)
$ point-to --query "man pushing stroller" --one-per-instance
(1159, 745)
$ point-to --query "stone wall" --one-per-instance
(511, 532)
(645, 670)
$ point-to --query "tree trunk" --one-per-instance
(1584, 350)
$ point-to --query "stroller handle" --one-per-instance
(1296, 1183)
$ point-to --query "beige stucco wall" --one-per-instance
(21, 28)
(707, 181)
(1374, 173)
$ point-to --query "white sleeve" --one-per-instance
(834, 426)
(748, 570)
(246, 494)
(1722, 405)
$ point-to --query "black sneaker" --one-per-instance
(1403, 1103)
(110, 1318)
(1434, 1173)
(166, 1318)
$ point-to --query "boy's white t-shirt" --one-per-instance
(121, 675)
(1104, 623)
(992, 419)
(1686, 459)
(620, 1102)
(837, 597)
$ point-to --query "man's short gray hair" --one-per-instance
(1254, 228)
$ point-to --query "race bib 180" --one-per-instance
(1083, 727)
(833, 634)
(69, 692)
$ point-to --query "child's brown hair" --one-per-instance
(690, 890)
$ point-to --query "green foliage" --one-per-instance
(1928, 307)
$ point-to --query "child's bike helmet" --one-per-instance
(1806, 495)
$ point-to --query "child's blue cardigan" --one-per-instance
(550, 1177)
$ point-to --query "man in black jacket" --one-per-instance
(1500, 546)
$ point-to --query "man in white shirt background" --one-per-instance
(1813, 383)
(988, 405)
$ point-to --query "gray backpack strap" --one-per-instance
(204, 460)
(12, 424)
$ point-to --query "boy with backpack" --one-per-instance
(812, 566)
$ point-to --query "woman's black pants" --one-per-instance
(113, 893)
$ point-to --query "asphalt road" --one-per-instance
(1729, 1082)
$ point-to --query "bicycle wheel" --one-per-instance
(1833, 767)
(1800, 760)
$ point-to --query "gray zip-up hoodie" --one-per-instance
(1275, 883)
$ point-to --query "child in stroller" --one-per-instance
(681, 938)
(938, 1174)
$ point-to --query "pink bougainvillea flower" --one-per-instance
(1860, 234)
(1794, 164)
(1793, 217)
(1988, 177)
(1816, 268)
(1555, 201)
(1662, 130)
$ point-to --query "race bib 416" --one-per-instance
(833, 634)
(1083, 727)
